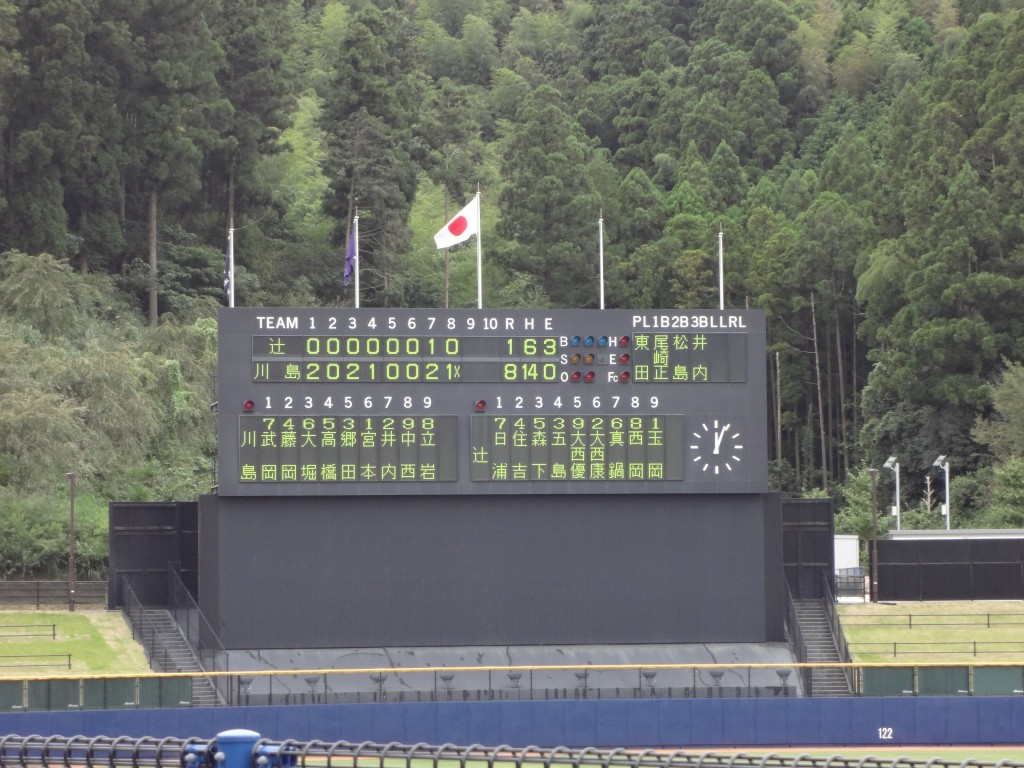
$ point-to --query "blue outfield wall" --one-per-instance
(684, 723)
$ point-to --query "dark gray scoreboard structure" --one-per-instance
(427, 477)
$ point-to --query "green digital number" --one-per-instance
(401, 371)
(545, 347)
(530, 372)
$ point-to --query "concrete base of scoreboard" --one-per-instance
(557, 670)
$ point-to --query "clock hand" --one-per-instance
(719, 435)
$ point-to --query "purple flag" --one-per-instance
(350, 256)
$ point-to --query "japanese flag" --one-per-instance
(465, 224)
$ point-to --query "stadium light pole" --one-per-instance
(942, 464)
(71, 542)
(874, 534)
(894, 465)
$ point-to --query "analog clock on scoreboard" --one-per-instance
(428, 401)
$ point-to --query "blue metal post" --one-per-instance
(236, 746)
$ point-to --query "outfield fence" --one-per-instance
(245, 749)
(495, 684)
(41, 595)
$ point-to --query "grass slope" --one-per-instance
(100, 643)
(930, 633)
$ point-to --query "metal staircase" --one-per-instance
(168, 651)
(166, 647)
(821, 649)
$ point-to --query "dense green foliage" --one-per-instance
(862, 159)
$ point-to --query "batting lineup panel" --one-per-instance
(428, 401)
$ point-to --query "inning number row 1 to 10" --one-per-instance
(426, 403)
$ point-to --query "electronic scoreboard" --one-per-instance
(332, 402)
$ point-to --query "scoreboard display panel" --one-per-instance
(331, 402)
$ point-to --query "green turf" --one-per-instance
(929, 633)
(99, 643)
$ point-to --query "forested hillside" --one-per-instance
(863, 160)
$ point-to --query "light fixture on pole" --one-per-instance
(942, 464)
(71, 542)
(894, 465)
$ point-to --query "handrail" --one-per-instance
(797, 642)
(200, 636)
(842, 647)
(136, 616)
(144, 630)
(194, 625)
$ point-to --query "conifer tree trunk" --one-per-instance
(83, 256)
(844, 442)
(821, 406)
(778, 409)
(151, 218)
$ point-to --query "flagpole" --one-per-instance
(231, 264)
(355, 237)
(479, 256)
(721, 270)
(600, 251)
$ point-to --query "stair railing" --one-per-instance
(144, 631)
(842, 647)
(797, 643)
(200, 636)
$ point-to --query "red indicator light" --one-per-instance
(481, 405)
(623, 359)
(248, 405)
(575, 377)
(624, 341)
(589, 377)
(624, 377)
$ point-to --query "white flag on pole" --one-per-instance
(463, 226)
